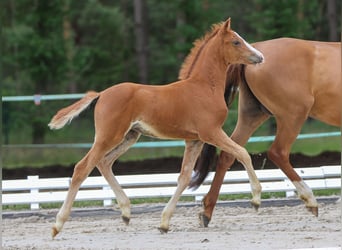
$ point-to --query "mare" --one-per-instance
(299, 79)
(193, 109)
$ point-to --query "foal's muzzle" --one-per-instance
(255, 59)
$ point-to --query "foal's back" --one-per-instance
(159, 111)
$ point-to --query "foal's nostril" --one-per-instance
(256, 59)
(261, 59)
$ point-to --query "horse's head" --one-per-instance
(235, 49)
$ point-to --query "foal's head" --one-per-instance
(235, 49)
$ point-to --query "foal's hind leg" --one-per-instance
(105, 167)
(81, 172)
(192, 150)
(104, 141)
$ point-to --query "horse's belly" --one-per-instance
(327, 110)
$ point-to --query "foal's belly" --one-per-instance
(164, 132)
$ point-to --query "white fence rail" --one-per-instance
(35, 191)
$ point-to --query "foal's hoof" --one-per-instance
(204, 220)
(313, 210)
(255, 205)
(125, 219)
(163, 230)
(54, 232)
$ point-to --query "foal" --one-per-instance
(193, 109)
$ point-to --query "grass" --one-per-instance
(81, 131)
(225, 197)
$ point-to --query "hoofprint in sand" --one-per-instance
(238, 226)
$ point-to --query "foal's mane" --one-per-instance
(193, 56)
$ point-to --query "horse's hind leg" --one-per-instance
(192, 150)
(279, 153)
(105, 167)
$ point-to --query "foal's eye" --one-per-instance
(236, 43)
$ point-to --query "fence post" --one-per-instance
(34, 205)
(107, 202)
(290, 193)
(199, 198)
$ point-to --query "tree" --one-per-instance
(306, 19)
(332, 20)
(283, 18)
(141, 35)
(34, 36)
(63, 46)
(101, 41)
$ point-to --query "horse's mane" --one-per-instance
(192, 57)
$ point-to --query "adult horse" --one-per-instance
(193, 109)
(299, 79)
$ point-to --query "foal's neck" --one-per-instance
(211, 67)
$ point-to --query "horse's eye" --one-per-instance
(236, 43)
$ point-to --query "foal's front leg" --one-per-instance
(192, 150)
(220, 139)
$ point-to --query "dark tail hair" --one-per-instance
(206, 160)
(235, 74)
(203, 165)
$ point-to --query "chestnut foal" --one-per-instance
(193, 109)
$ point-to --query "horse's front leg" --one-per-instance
(192, 150)
(279, 154)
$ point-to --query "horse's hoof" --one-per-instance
(54, 232)
(163, 230)
(313, 210)
(204, 220)
(125, 219)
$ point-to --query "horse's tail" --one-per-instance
(204, 163)
(235, 74)
(66, 114)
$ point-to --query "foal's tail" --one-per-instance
(66, 114)
(204, 163)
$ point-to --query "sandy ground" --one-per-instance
(232, 227)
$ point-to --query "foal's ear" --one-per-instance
(227, 24)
